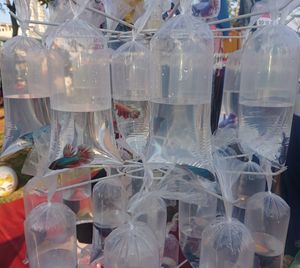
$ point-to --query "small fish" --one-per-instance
(199, 172)
(229, 121)
(126, 111)
(283, 150)
(29, 136)
(73, 158)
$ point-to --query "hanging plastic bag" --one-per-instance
(267, 217)
(78, 199)
(81, 127)
(182, 53)
(195, 213)
(50, 232)
(37, 190)
(150, 209)
(132, 245)
(227, 244)
(230, 103)
(268, 89)
(25, 88)
(109, 211)
(130, 83)
(36, 162)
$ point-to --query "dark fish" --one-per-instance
(283, 150)
(73, 158)
(229, 121)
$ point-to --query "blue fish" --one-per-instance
(29, 137)
(229, 121)
(73, 158)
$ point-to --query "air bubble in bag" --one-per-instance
(182, 55)
(269, 84)
(132, 245)
(81, 127)
(50, 232)
(267, 217)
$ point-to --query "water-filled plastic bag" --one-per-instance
(269, 84)
(182, 55)
(267, 217)
(228, 244)
(81, 127)
(132, 245)
(50, 232)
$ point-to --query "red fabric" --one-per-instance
(12, 241)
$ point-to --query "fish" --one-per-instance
(73, 158)
(229, 121)
(126, 111)
(29, 137)
(283, 150)
(199, 172)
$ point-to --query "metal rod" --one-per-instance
(237, 18)
(111, 17)
(88, 182)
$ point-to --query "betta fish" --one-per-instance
(229, 121)
(126, 111)
(29, 137)
(72, 158)
(283, 150)
(199, 172)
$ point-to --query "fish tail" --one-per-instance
(85, 155)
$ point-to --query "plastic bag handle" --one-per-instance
(141, 22)
(288, 9)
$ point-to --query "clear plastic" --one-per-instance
(26, 93)
(171, 252)
(267, 217)
(226, 243)
(182, 55)
(130, 83)
(231, 91)
(37, 190)
(207, 9)
(252, 180)
(194, 215)
(50, 232)
(269, 84)
(81, 127)
(77, 199)
(109, 211)
(150, 209)
(132, 245)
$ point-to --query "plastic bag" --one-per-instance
(130, 83)
(206, 8)
(132, 245)
(25, 88)
(268, 90)
(50, 232)
(267, 217)
(78, 199)
(36, 162)
(150, 209)
(182, 53)
(81, 127)
(231, 89)
(227, 244)
(37, 190)
(194, 215)
(109, 211)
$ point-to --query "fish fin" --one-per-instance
(85, 154)
(69, 151)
